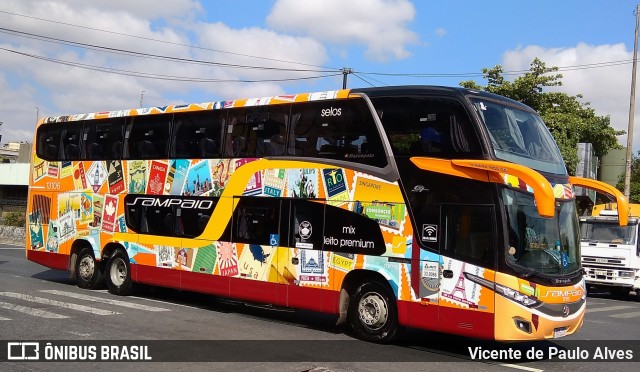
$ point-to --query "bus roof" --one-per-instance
(283, 99)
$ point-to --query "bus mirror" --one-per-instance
(542, 190)
(489, 171)
(612, 192)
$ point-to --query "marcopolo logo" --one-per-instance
(332, 111)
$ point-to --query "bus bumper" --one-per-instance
(515, 322)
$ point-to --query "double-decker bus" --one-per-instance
(438, 208)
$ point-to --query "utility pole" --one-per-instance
(141, 98)
(345, 71)
(632, 107)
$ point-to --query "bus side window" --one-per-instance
(49, 141)
(71, 141)
(102, 139)
(257, 131)
(197, 135)
(468, 233)
(148, 137)
(336, 129)
(428, 126)
(256, 220)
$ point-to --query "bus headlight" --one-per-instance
(626, 274)
(516, 296)
(507, 292)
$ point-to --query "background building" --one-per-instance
(14, 177)
(612, 166)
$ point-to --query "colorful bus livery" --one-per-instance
(396, 206)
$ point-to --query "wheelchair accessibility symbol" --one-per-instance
(274, 239)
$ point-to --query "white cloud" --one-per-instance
(380, 25)
(150, 9)
(18, 111)
(606, 88)
(59, 89)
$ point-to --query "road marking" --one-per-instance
(608, 308)
(626, 315)
(11, 248)
(31, 311)
(104, 300)
(521, 367)
(3, 318)
(65, 305)
(165, 302)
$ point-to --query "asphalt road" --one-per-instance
(41, 304)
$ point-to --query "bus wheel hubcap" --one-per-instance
(373, 311)
(118, 272)
(86, 267)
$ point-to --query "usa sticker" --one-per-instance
(429, 233)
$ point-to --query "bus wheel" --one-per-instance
(118, 274)
(372, 313)
(88, 271)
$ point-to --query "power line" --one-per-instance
(230, 65)
(363, 79)
(158, 76)
(512, 72)
(376, 80)
(164, 41)
(147, 55)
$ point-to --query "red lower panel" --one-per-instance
(467, 322)
(314, 299)
(205, 283)
(253, 290)
(309, 298)
(464, 322)
(156, 276)
(49, 259)
(418, 315)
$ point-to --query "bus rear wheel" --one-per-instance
(372, 313)
(88, 271)
(118, 274)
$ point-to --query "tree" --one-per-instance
(634, 184)
(568, 118)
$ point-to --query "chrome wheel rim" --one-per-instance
(118, 272)
(86, 267)
(373, 311)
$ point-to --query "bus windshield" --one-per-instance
(520, 137)
(543, 245)
(607, 232)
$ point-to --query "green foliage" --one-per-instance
(14, 219)
(634, 184)
(569, 120)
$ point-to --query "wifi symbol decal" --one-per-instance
(429, 233)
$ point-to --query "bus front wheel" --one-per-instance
(118, 274)
(88, 271)
(372, 313)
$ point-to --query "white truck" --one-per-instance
(610, 252)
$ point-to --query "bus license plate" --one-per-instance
(600, 272)
(559, 332)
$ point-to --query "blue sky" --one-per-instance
(370, 36)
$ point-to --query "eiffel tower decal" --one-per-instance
(459, 287)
